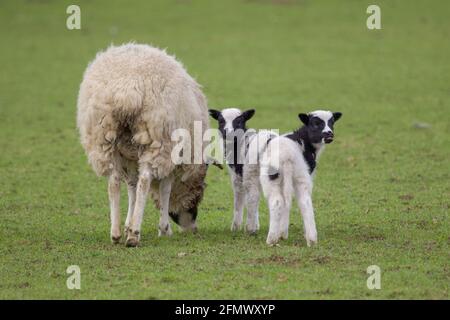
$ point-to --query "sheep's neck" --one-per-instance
(310, 150)
(233, 154)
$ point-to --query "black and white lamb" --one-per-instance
(285, 168)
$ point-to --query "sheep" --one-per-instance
(132, 97)
(285, 164)
(242, 147)
(289, 171)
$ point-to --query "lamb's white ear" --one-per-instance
(214, 113)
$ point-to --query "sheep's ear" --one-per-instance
(248, 114)
(214, 113)
(337, 115)
(304, 118)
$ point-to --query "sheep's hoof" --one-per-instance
(132, 239)
(272, 239)
(165, 231)
(115, 240)
(252, 230)
(311, 243)
(235, 226)
(311, 239)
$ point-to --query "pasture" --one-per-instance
(381, 192)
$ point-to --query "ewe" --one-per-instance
(131, 99)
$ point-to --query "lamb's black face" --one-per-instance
(231, 120)
(319, 125)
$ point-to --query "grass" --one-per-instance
(381, 191)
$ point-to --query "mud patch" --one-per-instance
(278, 260)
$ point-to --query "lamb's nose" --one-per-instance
(329, 134)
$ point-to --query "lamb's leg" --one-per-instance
(165, 187)
(114, 198)
(239, 198)
(252, 193)
(276, 209)
(143, 187)
(284, 224)
(303, 193)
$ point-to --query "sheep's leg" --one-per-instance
(252, 200)
(239, 202)
(284, 223)
(303, 193)
(277, 209)
(131, 204)
(114, 198)
(143, 187)
(165, 187)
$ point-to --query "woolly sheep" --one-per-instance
(131, 99)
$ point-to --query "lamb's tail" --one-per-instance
(277, 183)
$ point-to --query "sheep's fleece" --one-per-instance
(131, 99)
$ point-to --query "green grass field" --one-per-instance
(381, 191)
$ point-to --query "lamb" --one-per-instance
(242, 146)
(286, 166)
(131, 99)
(291, 173)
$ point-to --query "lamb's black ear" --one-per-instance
(337, 115)
(248, 114)
(214, 113)
(304, 118)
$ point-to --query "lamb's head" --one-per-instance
(232, 121)
(319, 125)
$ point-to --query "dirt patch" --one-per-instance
(406, 197)
(24, 285)
(278, 260)
(279, 2)
(322, 259)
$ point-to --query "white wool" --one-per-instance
(131, 99)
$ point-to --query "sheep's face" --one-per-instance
(231, 121)
(319, 125)
(186, 219)
(186, 200)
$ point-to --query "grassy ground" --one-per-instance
(381, 192)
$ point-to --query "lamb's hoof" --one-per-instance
(272, 239)
(235, 226)
(132, 239)
(115, 239)
(311, 243)
(252, 230)
(311, 239)
(164, 230)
